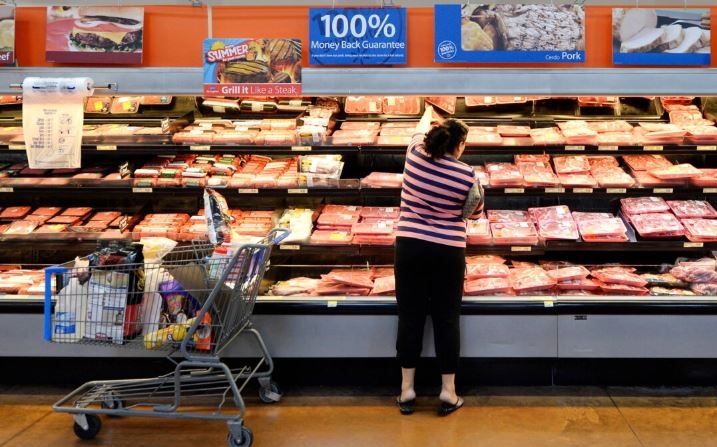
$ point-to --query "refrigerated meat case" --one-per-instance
(528, 327)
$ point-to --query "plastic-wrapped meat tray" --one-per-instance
(618, 275)
(507, 130)
(475, 271)
(700, 230)
(548, 213)
(678, 171)
(514, 233)
(547, 136)
(536, 174)
(504, 174)
(622, 289)
(610, 126)
(613, 177)
(330, 237)
(707, 179)
(478, 232)
(647, 180)
(569, 273)
(617, 139)
(507, 216)
(644, 162)
(577, 180)
(445, 103)
(611, 229)
(487, 286)
(578, 284)
(692, 208)
(558, 230)
(401, 105)
(657, 225)
(530, 279)
(639, 205)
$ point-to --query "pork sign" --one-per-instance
(530, 33)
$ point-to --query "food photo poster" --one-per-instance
(94, 34)
(648, 36)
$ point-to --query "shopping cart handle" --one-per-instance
(49, 272)
(277, 235)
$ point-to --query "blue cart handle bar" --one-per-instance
(49, 272)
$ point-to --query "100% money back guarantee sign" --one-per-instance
(357, 36)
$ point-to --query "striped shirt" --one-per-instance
(432, 196)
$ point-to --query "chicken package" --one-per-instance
(478, 232)
(623, 289)
(610, 126)
(678, 171)
(647, 180)
(547, 136)
(578, 284)
(558, 230)
(384, 285)
(514, 233)
(585, 180)
(330, 237)
(708, 178)
(487, 286)
(530, 279)
(569, 273)
(645, 162)
(538, 174)
(549, 213)
(618, 275)
(294, 286)
(611, 229)
(613, 177)
(507, 216)
(508, 130)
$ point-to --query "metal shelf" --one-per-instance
(410, 81)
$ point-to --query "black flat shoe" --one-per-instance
(406, 407)
(444, 409)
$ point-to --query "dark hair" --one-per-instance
(445, 137)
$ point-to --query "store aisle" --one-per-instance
(501, 417)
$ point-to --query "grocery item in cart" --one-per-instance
(217, 216)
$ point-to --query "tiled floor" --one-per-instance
(501, 417)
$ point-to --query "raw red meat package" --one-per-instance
(330, 237)
(617, 275)
(445, 103)
(478, 232)
(692, 208)
(708, 178)
(657, 225)
(613, 177)
(700, 271)
(644, 162)
(569, 273)
(487, 286)
(507, 216)
(640, 205)
(475, 271)
(514, 233)
(700, 230)
(382, 180)
(363, 104)
(558, 230)
(578, 284)
(610, 229)
(623, 289)
(549, 213)
(577, 180)
(547, 135)
(504, 174)
(678, 171)
(384, 285)
(647, 180)
(401, 105)
(530, 279)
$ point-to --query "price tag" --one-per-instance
(607, 148)
(706, 148)
(514, 190)
(693, 245)
(301, 148)
(548, 303)
(332, 303)
(652, 148)
(521, 249)
(558, 190)
(289, 247)
(248, 191)
(709, 190)
(615, 190)
(297, 191)
(6, 189)
(662, 191)
(199, 148)
(16, 147)
(582, 190)
(357, 36)
(142, 190)
(106, 147)
(574, 148)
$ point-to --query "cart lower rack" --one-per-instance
(192, 305)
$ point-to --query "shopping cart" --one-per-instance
(118, 304)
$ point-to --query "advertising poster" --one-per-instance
(252, 67)
(529, 33)
(94, 34)
(7, 34)
(646, 36)
(357, 36)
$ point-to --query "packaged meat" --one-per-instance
(485, 259)
(445, 103)
(645, 162)
(700, 271)
(478, 232)
(384, 285)
(616, 139)
(330, 237)
(613, 177)
(536, 174)
(15, 212)
(382, 180)
(21, 227)
(708, 178)
(504, 174)
(657, 225)
(610, 126)
(577, 180)
(549, 213)
(487, 286)
(507, 216)
(363, 104)
(366, 126)
(678, 171)
(647, 180)
(514, 233)
(640, 205)
(623, 289)
(663, 279)
(579, 216)
(518, 159)
(355, 278)
(569, 273)
(692, 208)
(558, 230)
(700, 230)
(401, 105)
(507, 130)
(602, 230)
(578, 284)
(547, 136)
(618, 276)
(483, 138)
(668, 291)
(300, 285)
(475, 271)
(530, 280)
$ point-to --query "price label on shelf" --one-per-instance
(106, 147)
(514, 190)
(652, 148)
(248, 191)
(297, 191)
(199, 147)
(582, 190)
(142, 190)
(706, 148)
(574, 148)
(709, 190)
(693, 245)
(607, 148)
(289, 247)
(301, 148)
(616, 190)
(548, 303)
(357, 36)
(16, 147)
(662, 191)
(558, 190)
(6, 189)
(527, 248)
(332, 303)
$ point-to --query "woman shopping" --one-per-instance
(438, 193)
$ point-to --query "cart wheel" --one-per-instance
(112, 402)
(93, 427)
(247, 437)
(270, 394)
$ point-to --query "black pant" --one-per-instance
(429, 281)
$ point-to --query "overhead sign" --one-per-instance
(94, 34)
(252, 67)
(357, 36)
(529, 33)
(647, 36)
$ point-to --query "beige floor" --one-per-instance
(501, 417)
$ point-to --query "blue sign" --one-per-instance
(357, 36)
(510, 33)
